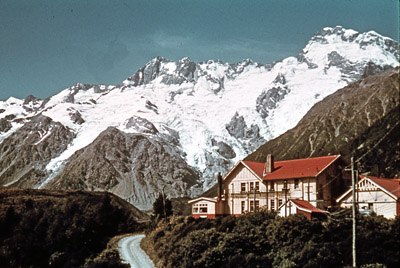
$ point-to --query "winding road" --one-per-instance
(131, 253)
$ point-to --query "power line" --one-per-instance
(373, 147)
(361, 157)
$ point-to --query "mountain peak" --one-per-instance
(328, 34)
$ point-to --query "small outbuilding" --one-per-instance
(205, 207)
(296, 206)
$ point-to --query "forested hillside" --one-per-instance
(264, 240)
(42, 228)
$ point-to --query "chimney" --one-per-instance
(269, 164)
(219, 187)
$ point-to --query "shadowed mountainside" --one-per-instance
(360, 120)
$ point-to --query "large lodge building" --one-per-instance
(249, 185)
(307, 186)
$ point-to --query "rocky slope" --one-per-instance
(360, 120)
(175, 125)
(25, 154)
(132, 166)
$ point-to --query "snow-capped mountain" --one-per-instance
(174, 125)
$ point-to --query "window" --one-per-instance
(296, 183)
(272, 186)
(251, 186)
(243, 206)
(285, 184)
(371, 206)
(280, 202)
(272, 205)
(203, 208)
(257, 186)
(243, 187)
(252, 205)
(195, 210)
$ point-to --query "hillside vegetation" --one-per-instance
(42, 228)
(264, 240)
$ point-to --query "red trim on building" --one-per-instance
(307, 214)
(398, 208)
(208, 216)
(307, 205)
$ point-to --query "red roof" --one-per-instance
(301, 204)
(391, 185)
(298, 168)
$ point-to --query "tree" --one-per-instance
(162, 207)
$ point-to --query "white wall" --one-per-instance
(243, 175)
(203, 203)
(382, 203)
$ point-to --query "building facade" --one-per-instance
(378, 195)
(250, 185)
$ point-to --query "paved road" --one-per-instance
(130, 251)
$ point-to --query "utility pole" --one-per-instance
(163, 199)
(254, 197)
(353, 183)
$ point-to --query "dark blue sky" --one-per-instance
(47, 46)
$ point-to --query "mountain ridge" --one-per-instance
(207, 115)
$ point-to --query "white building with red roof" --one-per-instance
(205, 207)
(379, 195)
(250, 185)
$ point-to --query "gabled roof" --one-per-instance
(298, 168)
(304, 206)
(244, 163)
(389, 186)
(209, 199)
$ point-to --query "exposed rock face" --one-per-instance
(141, 125)
(5, 125)
(373, 68)
(76, 117)
(301, 58)
(25, 153)
(224, 149)
(132, 166)
(269, 100)
(248, 136)
(183, 71)
(361, 119)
